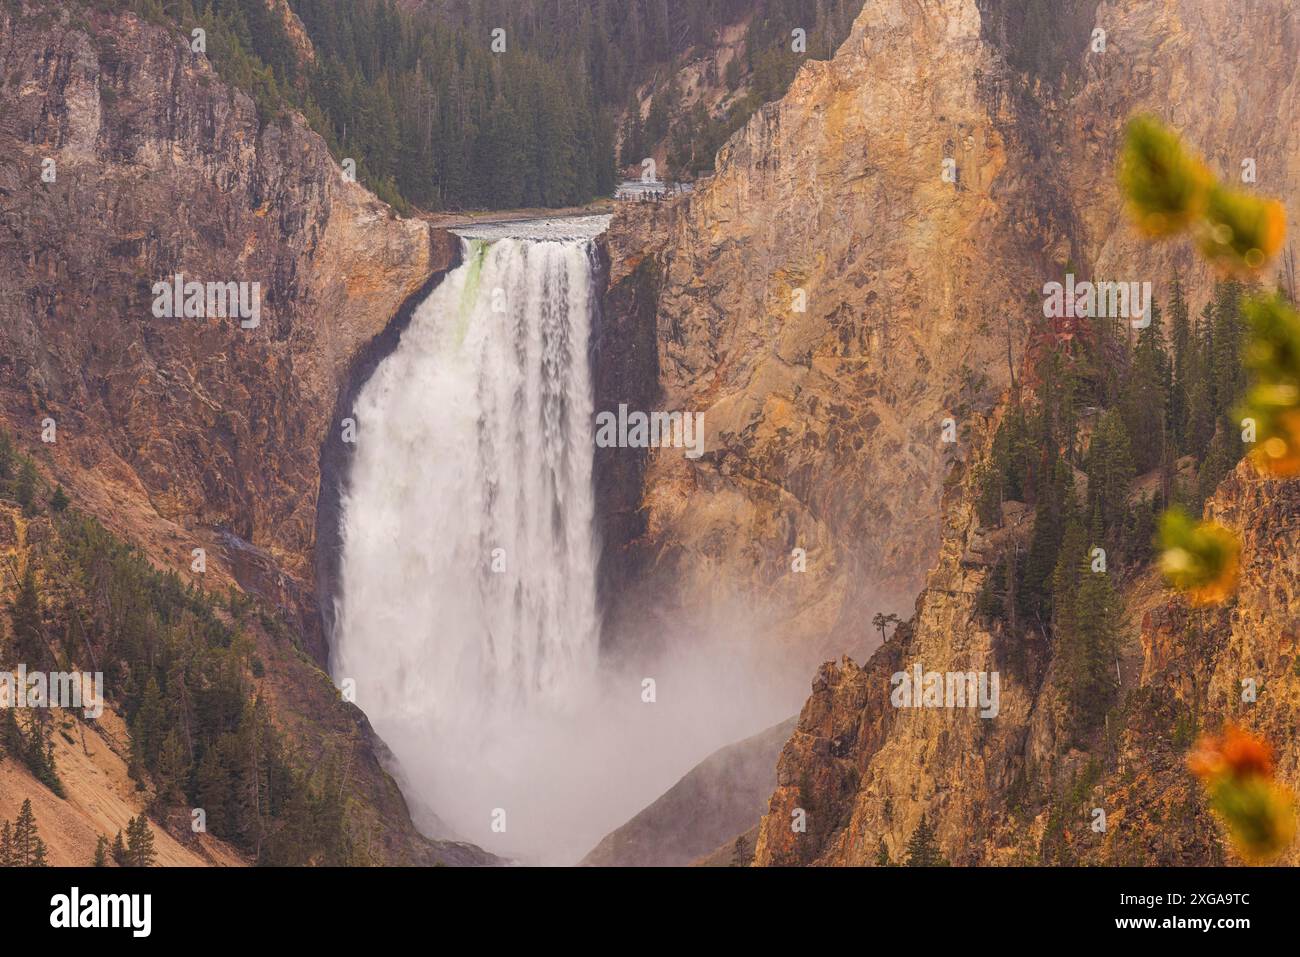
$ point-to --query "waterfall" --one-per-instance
(467, 613)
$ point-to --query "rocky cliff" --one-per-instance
(921, 292)
(868, 262)
(188, 432)
(127, 161)
(828, 299)
(718, 800)
(1013, 788)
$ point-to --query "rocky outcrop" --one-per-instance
(860, 769)
(721, 797)
(1012, 788)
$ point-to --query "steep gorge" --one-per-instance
(825, 421)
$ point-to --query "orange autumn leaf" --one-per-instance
(1235, 752)
(1236, 769)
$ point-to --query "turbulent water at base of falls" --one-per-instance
(467, 616)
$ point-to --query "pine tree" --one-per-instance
(6, 845)
(12, 737)
(26, 839)
(1054, 504)
(172, 771)
(502, 163)
(1183, 360)
(1202, 412)
(28, 626)
(25, 487)
(119, 850)
(147, 728)
(59, 500)
(101, 852)
(882, 855)
(1097, 609)
(1226, 370)
(1140, 537)
(741, 855)
(212, 789)
(633, 149)
(1065, 578)
(1013, 453)
(38, 854)
(6, 455)
(329, 815)
(1110, 472)
(1087, 612)
(140, 843)
(881, 622)
(39, 754)
(248, 759)
(923, 848)
(1146, 394)
(1220, 457)
(988, 501)
(1065, 589)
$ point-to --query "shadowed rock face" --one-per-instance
(182, 428)
(721, 797)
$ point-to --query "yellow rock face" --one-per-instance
(825, 425)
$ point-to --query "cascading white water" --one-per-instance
(467, 615)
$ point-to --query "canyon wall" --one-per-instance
(828, 299)
(825, 425)
(918, 295)
(1001, 790)
(184, 433)
(190, 432)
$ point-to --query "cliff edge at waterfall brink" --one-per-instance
(186, 434)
